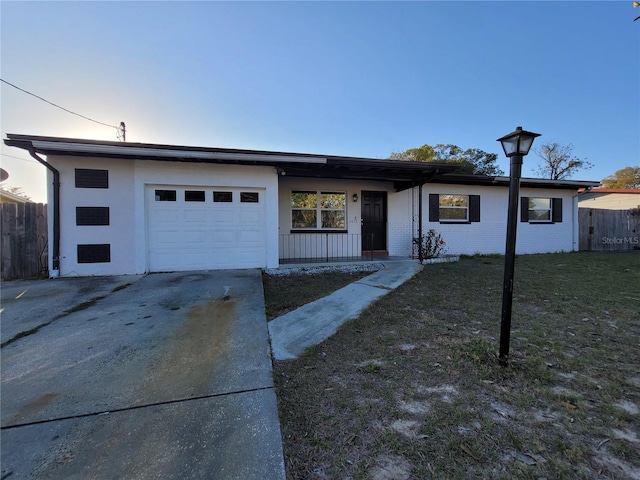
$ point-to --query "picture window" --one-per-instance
(318, 210)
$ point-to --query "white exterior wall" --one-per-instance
(400, 223)
(119, 233)
(546, 238)
(485, 237)
(312, 245)
(489, 235)
(125, 197)
(127, 230)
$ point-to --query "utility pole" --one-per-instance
(123, 131)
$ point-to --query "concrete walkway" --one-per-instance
(313, 323)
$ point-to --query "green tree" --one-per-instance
(557, 162)
(627, 177)
(425, 153)
(471, 160)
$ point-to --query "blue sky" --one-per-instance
(345, 78)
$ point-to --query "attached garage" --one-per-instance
(201, 228)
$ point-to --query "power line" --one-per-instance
(58, 106)
(18, 158)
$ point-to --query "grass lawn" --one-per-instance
(412, 389)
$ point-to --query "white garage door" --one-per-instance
(196, 228)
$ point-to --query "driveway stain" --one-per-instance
(34, 406)
(194, 352)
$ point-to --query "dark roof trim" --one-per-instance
(403, 174)
(484, 180)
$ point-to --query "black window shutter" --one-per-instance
(524, 209)
(474, 208)
(556, 210)
(434, 207)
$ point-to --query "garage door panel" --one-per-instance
(222, 217)
(167, 237)
(223, 237)
(166, 215)
(250, 237)
(194, 259)
(251, 217)
(195, 216)
(205, 235)
(195, 237)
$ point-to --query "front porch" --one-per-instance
(328, 247)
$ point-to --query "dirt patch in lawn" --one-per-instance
(412, 388)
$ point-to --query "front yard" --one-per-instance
(412, 389)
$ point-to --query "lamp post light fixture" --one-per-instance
(515, 145)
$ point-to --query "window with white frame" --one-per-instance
(453, 208)
(318, 210)
(540, 209)
(543, 210)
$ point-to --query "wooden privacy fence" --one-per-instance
(609, 229)
(23, 244)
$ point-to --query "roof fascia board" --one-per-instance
(545, 182)
(504, 182)
(115, 150)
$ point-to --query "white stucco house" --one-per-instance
(132, 208)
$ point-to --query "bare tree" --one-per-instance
(557, 162)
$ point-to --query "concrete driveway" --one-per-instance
(161, 376)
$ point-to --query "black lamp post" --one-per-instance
(515, 145)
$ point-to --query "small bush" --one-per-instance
(430, 245)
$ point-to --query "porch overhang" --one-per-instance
(404, 175)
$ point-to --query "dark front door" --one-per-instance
(374, 221)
